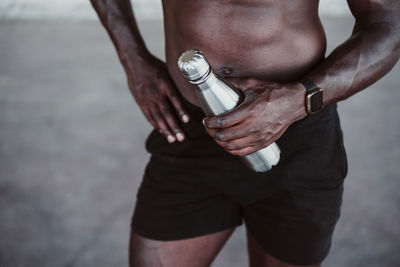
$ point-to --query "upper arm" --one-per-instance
(375, 11)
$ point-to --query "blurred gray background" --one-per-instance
(72, 152)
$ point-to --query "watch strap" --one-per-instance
(309, 84)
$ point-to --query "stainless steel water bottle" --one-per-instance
(216, 97)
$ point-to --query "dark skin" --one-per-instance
(262, 47)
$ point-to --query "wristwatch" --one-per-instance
(314, 96)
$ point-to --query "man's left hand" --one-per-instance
(267, 110)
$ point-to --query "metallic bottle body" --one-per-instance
(217, 97)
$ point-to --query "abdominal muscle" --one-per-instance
(266, 39)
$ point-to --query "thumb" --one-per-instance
(235, 82)
(243, 83)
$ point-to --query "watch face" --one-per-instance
(315, 101)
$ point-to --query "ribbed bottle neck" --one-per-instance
(203, 78)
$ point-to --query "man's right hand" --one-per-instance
(157, 96)
(148, 78)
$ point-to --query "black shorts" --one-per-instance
(195, 188)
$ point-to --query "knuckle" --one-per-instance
(231, 146)
(239, 133)
(254, 129)
(163, 132)
(176, 129)
(221, 121)
(169, 117)
(220, 136)
(179, 109)
(161, 125)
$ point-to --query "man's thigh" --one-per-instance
(191, 252)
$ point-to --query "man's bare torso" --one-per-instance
(267, 39)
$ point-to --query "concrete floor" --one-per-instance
(72, 153)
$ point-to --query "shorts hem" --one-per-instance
(170, 236)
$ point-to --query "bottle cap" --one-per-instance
(193, 64)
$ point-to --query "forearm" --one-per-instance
(118, 19)
(371, 52)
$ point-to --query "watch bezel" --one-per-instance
(309, 96)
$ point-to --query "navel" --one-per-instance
(224, 71)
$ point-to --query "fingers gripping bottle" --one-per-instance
(216, 97)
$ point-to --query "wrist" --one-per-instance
(298, 96)
(314, 100)
(136, 63)
(130, 56)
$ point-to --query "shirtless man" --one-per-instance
(195, 191)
